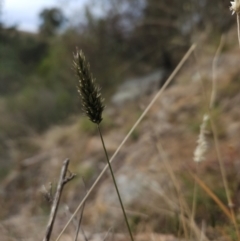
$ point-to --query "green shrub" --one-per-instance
(39, 108)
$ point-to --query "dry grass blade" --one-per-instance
(212, 195)
(107, 234)
(159, 93)
(80, 218)
(79, 223)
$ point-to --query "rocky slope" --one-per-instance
(168, 134)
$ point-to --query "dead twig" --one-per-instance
(62, 181)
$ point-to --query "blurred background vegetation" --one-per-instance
(128, 38)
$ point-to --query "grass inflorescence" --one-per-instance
(92, 101)
(92, 104)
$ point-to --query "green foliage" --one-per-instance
(32, 51)
(20, 54)
(39, 108)
(36, 72)
(10, 68)
(38, 84)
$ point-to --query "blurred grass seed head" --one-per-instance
(92, 101)
(235, 8)
(199, 153)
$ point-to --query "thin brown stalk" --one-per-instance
(115, 184)
(107, 234)
(159, 93)
(212, 195)
(79, 223)
(61, 183)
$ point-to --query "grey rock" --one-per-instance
(133, 88)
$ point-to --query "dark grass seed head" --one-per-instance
(92, 101)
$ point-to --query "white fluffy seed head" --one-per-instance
(199, 153)
(235, 8)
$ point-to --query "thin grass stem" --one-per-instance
(79, 223)
(115, 183)
(214, 67)
(224, 176)
(194, 201)
(214, 129)
(238, 27)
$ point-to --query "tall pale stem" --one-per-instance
(238, 27)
